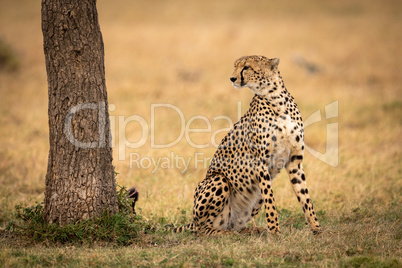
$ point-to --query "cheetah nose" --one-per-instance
(233, 79)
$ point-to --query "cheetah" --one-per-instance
(267, 138)
(133, 194)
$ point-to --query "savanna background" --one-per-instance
(181, 53)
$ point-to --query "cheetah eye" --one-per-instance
(246, 68)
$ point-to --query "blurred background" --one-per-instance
(181, 53)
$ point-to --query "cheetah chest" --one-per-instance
(276, 139)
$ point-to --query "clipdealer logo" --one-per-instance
(148, 133)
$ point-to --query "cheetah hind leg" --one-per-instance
(211, 207)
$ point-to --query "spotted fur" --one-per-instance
(269, 137)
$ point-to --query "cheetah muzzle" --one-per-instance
(268, 137)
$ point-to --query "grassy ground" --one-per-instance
(181, 53)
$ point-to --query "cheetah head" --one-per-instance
(255, 72)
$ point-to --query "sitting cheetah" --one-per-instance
(266, 139)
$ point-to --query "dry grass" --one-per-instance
(181, 53)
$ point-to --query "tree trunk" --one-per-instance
(80, 181)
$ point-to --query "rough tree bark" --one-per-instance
(80, 181)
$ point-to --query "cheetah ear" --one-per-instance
(274, 62)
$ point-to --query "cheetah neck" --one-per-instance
(277, 97)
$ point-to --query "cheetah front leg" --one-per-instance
(271, 215)
(298, 180)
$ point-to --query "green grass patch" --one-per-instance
(368, 261)
(119, 229)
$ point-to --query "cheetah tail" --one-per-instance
(189, 227)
